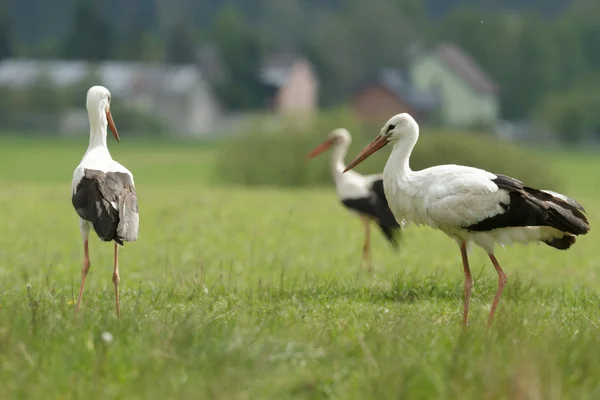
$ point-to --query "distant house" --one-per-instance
(387, 93)
(294, 84)
(468, 96)
(177, 94)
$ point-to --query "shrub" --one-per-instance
(486, 152)
(277, 156)
(274, 153)
(137, 122)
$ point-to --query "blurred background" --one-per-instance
(524, 71)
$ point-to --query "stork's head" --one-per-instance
(334, 137)
(98, 104)
(399, 127)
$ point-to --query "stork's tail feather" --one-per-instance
(563, 213)
(129, 218)
(393, 234)
(562, 243)
(530, 207)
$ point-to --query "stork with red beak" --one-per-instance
(360, 194)
(103, 192)
(471, 205)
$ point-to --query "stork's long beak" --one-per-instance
(371, 148)
(111, 125)
(319, 149)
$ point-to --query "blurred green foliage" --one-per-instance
(277, 156)
(90, 34)
(240, 51)
(42, 108)
(542, 53)
(573, 114)
(6, 34)
(137, 122)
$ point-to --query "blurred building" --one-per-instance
(388, 92)
(468, 97)
(293, 83)
(178, 95)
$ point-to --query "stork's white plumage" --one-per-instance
(362, 194)
(103, 192)
(472, 205)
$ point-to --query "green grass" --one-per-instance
(234, 293)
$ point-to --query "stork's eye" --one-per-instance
(389, 128)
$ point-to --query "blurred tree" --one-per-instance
(132, 47)
(38, 108)
(89, 37)
(364, 36)
(537, 72)
(139, 37)
(571, 123)
(241, 52)
(74, 96)
(528, 56)
(152, 48)
(6, 106)
(528, 39)
(133, 33)
(583, 18)
(283, 23)
(44, 97)
(546, 8)
(573, 114)
(415, 10)
(565, 116)
(45, 48)
(474, 30)
(572, 62)
(34, 20)
(137, 122)
(180, 45)
(6, 34)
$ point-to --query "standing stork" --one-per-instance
(360, 194)
(103, 192)
(472, 205)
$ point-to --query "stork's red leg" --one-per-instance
(468, 282)
(116, 279)
(84, 271)
(366, 256)
(502, 279)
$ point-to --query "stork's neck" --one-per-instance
(399, 161)
(98, 124)
(337, 158)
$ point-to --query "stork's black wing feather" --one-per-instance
(93, 201)
(375, 205)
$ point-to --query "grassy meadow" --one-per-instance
(238, 293)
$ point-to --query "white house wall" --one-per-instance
(300, 92)
(461, 106)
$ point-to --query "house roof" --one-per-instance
(394, 81)
(123, 78)
(465, 67)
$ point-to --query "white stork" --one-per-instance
(103, 192)
(360, 194)
(472, 205)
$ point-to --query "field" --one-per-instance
(236, 293)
